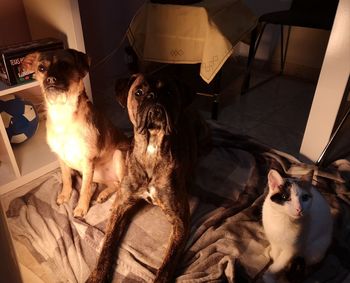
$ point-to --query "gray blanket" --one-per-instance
(226, 244)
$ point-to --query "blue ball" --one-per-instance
(20, 118)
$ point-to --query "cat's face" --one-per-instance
(291, 196)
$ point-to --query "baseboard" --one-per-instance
(299, 71)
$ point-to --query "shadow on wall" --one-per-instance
(104, 27)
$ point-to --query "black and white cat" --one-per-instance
(297, 223)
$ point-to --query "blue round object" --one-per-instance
(20, 118)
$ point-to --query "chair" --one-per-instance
(302, 13)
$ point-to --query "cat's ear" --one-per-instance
(275, 180)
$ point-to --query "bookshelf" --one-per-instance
(36, 19)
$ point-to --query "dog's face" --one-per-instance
(154, 104)
(58, 72)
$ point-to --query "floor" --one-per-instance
(275, 113)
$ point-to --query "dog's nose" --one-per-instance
(51, 80)
(156, 112)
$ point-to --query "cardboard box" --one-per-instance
(12, 56)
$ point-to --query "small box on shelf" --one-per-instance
(12, 57)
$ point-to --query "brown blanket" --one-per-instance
(226, 244)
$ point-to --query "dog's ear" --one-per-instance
(82, 61)
(30, 62)
(122, 86)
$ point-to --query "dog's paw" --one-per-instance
(80, 212)
(62, 198)
(103, 196)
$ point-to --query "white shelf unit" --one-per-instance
(21, 163)
(23, 20)
(25, 162)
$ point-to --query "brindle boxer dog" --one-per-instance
(81, 135)
(159, 168)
